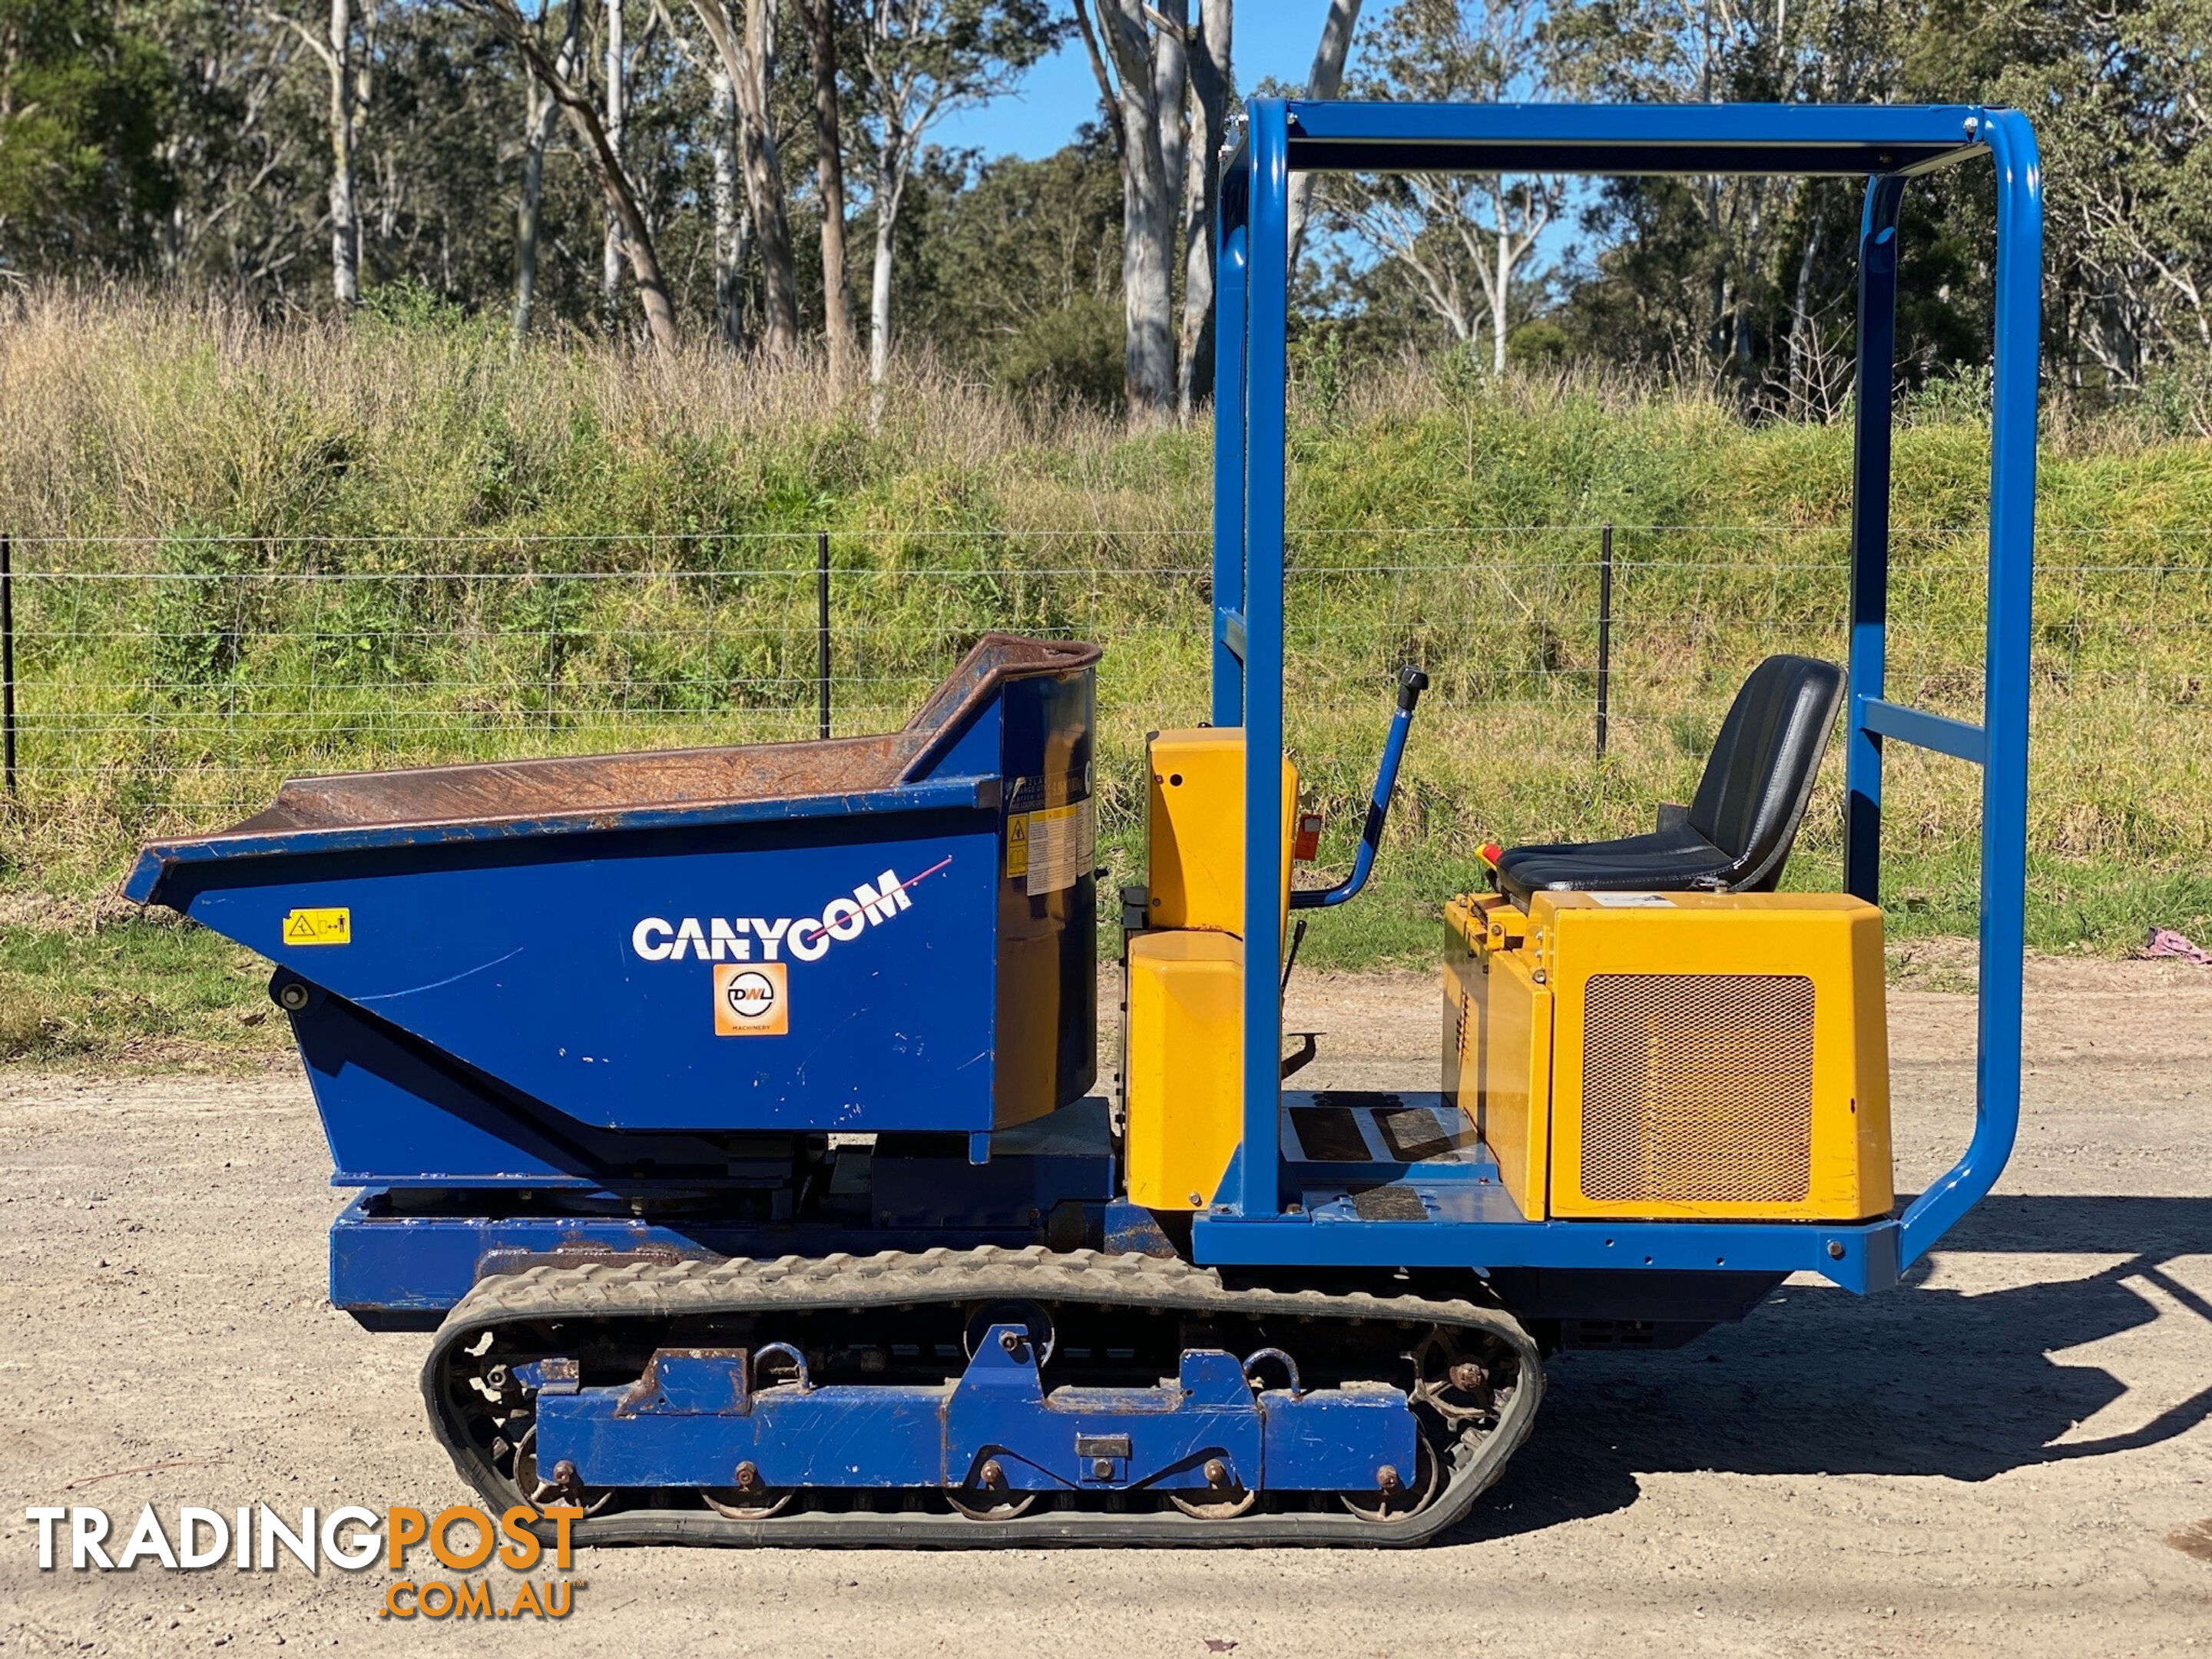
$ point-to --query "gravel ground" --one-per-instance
(2009, 1453)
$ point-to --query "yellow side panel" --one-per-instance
(1515, 1064)
(1195, 839)
(1459, 1007)
(1497, 1049)
(1185, 1051)
(1716, 1055)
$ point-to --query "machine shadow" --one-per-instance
(1820, 1381)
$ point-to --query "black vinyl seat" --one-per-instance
(1736, 836)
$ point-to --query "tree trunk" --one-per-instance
(1502, 291)
(830, 179)
(729, 225)
(1324, 80)
(637, 237)
(750, 55)
(1147, 213)
(1209, 80)
(764, 182)
(583, 119)
(1800, 389)
(1170, 82)
(616, 118)
(346, 221)
(889, 198)
(540, 113)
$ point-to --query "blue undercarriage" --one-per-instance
(696, 1413)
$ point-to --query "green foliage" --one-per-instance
(83, 106)
(1072, 355)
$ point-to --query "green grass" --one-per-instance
(569, 550)
(132, 992)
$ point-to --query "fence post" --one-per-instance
(1604, 633)
(822, 625)
(8, 658)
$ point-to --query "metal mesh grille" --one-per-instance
(1697, 1088)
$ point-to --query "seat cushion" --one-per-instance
(1667, 860)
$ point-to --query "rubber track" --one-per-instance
(673, 1290)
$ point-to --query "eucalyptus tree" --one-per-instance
(920, 61)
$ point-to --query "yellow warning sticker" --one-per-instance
(1056, 847)
(333, 926)
(1018, 845)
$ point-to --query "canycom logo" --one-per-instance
(804, 938)
(463, 1539)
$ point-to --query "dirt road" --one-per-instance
(2011, 1455)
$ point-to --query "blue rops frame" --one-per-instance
(1888, 146)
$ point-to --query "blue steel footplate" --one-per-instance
(1400, 1180)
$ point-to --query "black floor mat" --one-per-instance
(1396, 1202)
(1329, 1135)
(1413, 1133)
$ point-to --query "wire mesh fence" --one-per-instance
(172, 682)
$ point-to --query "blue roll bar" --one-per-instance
(1887, 145)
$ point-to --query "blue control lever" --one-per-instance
(1412, 682)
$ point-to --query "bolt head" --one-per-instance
(1216, 1472)
(1387, 1478)
(1835, 1249)
(1101, 1468)
(991, 1474)
(1468, 1376)
(748, 1476)
(1011, 1341)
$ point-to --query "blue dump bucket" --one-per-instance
(613, 969)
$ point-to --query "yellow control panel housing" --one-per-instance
(1194, 829)
(1184, 1068)
(1675, 1055)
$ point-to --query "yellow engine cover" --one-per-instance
(1710, 1055)
(1194, 829)
(1185, 1068)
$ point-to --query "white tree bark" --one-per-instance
(829, 180)
(1134, 44)
(348, 64)
(730, 218)
(749, 53)
(1324, 80)
(1211, 80)
(583, 118)
(540, 112)
(1499, 290)
(888, 199)
(615, 119)
(345, 220)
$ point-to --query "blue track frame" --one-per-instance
(1886, 146)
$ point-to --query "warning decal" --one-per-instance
(1051, 848)
(319, 927)
(752, 1000)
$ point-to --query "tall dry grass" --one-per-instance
(572, 547)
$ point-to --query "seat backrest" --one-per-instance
(1759, 775)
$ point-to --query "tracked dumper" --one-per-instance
(735, 1117)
